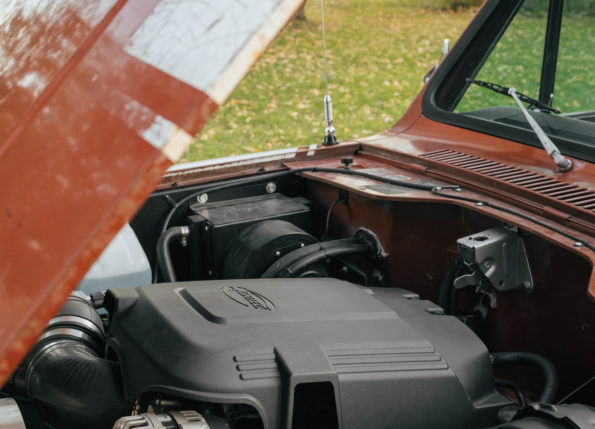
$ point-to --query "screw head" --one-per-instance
(271, 187)
(277, 254)
(202, 198)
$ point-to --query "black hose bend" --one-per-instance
(322, 254)
(164, 260)
(550, 374)
(290, 264)
(69, 382)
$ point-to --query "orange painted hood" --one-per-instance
(97, 99)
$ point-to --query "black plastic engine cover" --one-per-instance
(391, 360)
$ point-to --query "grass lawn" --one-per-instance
(378, 52)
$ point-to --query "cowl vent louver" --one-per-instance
(567, 194)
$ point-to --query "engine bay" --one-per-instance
(294, 303)
(439, 274)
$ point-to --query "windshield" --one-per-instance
(546, 50)
(518, 59)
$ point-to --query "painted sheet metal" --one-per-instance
(97, 99)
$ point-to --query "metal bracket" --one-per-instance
(497, 255)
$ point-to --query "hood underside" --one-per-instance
(97, 99)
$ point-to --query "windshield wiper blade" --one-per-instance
(524, 98)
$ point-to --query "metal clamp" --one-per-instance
(174, 419)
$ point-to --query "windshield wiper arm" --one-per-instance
(552, 150)
(504, 90)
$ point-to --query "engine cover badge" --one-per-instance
(248, 298)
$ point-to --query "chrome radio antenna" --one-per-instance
(329, 132)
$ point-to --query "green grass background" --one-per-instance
(516, 62)
(378, 52)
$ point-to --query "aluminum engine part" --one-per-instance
(10, 415)
(172, 420)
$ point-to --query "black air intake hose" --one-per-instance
(290, 265)
(69, 382)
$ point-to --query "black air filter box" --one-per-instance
(215, 225)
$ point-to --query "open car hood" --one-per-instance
(97, 99)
